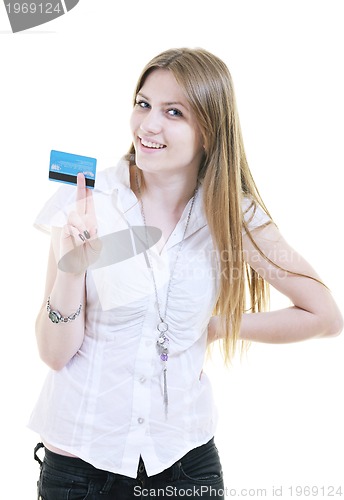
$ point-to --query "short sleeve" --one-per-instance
(254, 215)
(55, 211)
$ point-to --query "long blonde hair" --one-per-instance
(225, 176)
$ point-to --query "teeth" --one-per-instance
(153, 145)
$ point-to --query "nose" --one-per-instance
(151, 123)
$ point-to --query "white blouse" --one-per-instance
(106, 405)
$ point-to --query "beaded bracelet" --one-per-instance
(56, 316)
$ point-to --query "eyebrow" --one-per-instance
(172, 103)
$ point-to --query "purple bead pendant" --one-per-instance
(162, 348)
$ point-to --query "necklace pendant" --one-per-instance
(162, 341)
(162, 326)
(162, 347)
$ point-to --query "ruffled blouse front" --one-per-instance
(106, 405)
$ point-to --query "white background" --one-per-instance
(68, 85)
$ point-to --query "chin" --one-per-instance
(146, 165)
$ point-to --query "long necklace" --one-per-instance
(162, 343)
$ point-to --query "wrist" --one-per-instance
(67, 293)
(56, 317)
(70, 279)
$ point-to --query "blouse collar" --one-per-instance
(117, 179)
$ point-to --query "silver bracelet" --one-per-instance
(56, 316)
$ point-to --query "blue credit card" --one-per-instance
(64, 167)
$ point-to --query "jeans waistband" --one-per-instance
(75, 464)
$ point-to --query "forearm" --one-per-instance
(58, 342)
(284, 326)
(313, 313)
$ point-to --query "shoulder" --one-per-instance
(254, 215)
(54, 212)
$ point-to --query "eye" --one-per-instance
(174, 112)
(142, 104)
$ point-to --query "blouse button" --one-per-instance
(143, 379)
(140, 420)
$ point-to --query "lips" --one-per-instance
(151, 144)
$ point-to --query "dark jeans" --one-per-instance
(196, 475)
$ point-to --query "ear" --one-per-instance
(205, 144)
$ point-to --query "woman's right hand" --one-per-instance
(80, 246)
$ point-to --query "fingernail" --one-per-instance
(81, 237)
(87, 235)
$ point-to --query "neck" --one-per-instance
(167, 192)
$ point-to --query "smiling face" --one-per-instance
(166, 136)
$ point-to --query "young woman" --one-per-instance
(144, 272)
